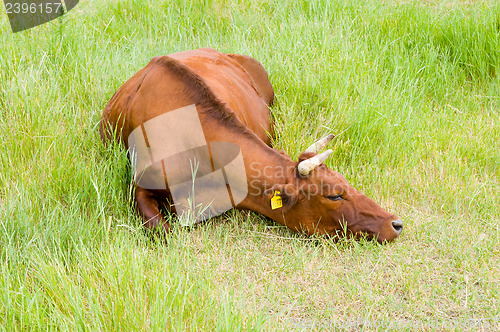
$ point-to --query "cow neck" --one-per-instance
(265, 168)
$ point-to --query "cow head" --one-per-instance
(318, 200)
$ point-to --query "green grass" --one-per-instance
(412, 89)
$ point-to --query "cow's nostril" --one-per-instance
(398, 225)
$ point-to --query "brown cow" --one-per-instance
(231, 94)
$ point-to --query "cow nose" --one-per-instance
(398, 226)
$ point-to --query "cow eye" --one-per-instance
(335, 197)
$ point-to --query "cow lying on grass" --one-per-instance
(196, 124)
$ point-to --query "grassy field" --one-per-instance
(411, 88)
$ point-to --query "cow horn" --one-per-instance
(320, 144)
(306, 166)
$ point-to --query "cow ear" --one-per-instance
(288, 193)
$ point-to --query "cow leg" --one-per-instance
(149, 210)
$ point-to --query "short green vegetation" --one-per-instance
(412, 90)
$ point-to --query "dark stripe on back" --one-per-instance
(204, 97)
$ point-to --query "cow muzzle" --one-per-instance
(397, 225)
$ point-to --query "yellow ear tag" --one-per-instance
(276, 201)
